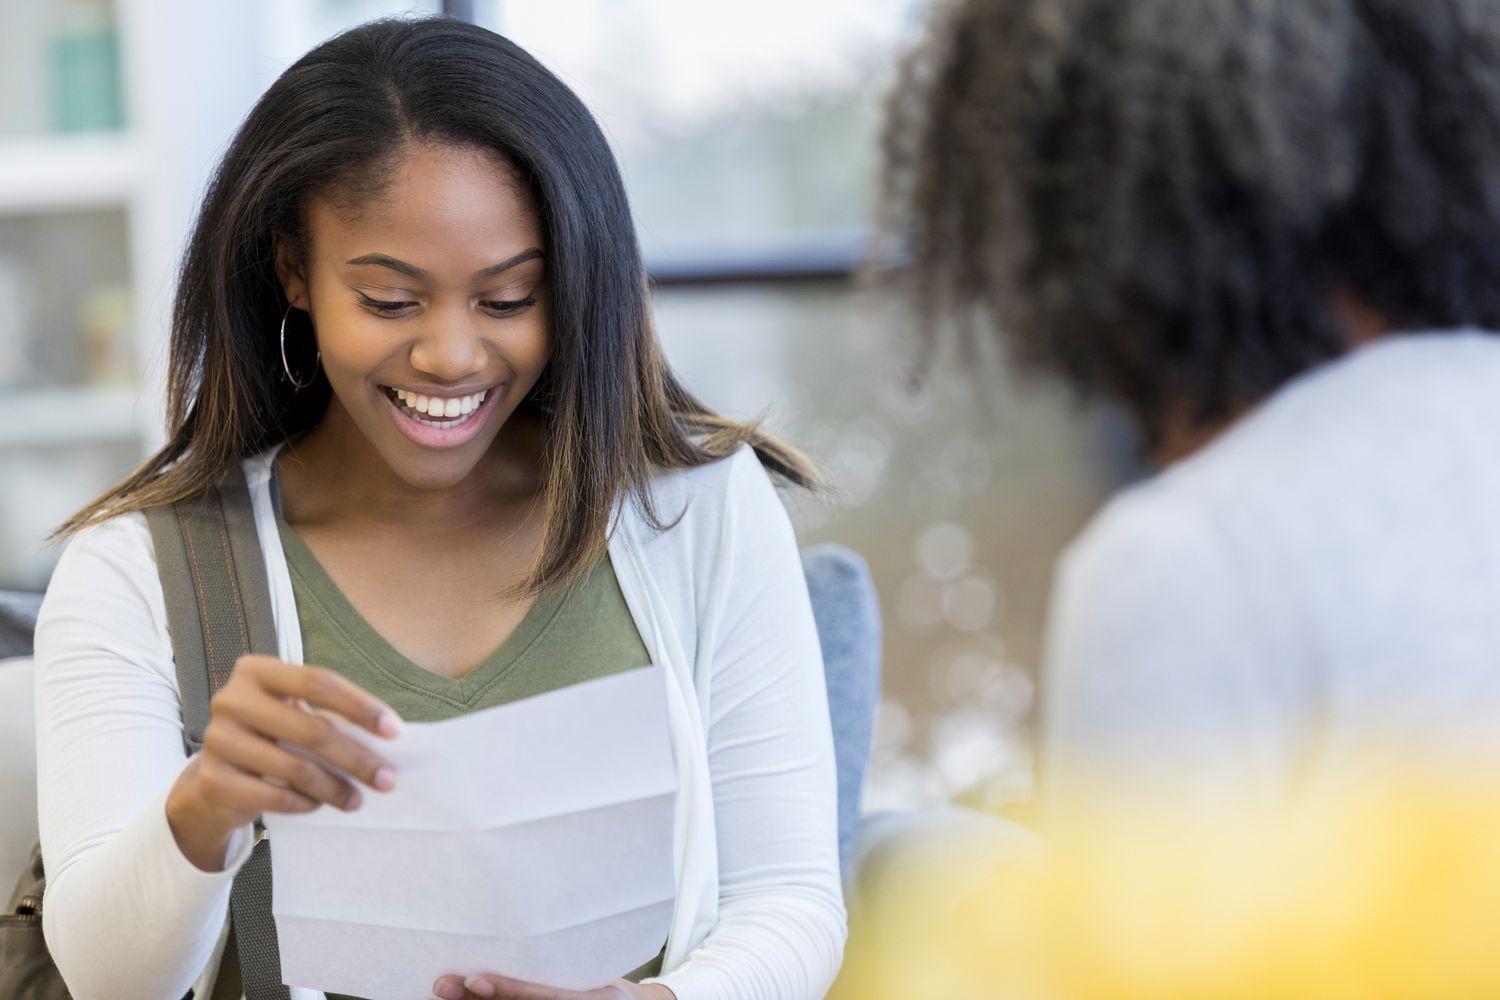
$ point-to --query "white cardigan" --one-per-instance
(719, 599)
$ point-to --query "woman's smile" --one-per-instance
(441, 420)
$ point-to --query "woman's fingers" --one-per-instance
(226, 785)
(495, 988)
(492, 987)
(318, 734)
(263, 708)
(265, 751)
(323, 688)
(256, 756)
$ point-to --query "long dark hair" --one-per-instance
(332, 126)
(1161, 199)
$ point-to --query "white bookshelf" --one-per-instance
(65, 173)
(188, 72)
(48, 418)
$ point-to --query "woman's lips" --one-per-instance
(461, 430)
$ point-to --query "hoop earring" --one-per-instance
(288, 368)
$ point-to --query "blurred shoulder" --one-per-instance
(1155, 527)
(1398, 399)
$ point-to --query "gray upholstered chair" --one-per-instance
(847, 612)
(17, 619)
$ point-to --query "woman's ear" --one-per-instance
(293, 276)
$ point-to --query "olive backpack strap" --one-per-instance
(218, 603)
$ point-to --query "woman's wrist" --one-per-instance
(201, 836)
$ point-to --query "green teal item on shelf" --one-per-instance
(86, 70)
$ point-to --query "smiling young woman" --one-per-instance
(413, 311)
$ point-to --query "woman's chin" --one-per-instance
(438, 471)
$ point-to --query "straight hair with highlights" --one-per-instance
(333, 126)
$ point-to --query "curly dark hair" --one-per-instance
(1160, 199)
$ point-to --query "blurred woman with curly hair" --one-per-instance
(1270, 232)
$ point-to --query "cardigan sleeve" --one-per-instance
(782, 924)
(126, 915)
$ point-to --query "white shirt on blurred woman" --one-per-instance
(1314, 596)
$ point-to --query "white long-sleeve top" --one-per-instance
(1311, 599)
(719, 599)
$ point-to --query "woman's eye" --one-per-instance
(503, 307)
(511, 305)
(384, 306)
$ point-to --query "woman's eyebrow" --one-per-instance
(412, 270)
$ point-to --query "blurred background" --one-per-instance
(748, 136)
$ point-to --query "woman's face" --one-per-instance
(430, 310)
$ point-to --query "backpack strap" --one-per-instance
(218, 609)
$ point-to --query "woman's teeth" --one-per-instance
(443, 409)
(438, 406)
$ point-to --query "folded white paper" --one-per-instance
(533, 840)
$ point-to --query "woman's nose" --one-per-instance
(449, 349)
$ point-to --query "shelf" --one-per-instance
(72, 415)
(66, 173)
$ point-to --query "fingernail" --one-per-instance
(483, 987)
(385, 779)
(389, 724)
(448, 990)
(354, 801)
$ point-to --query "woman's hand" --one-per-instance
(264, 751)
(487, 987)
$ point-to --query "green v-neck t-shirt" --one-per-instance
(570, 635)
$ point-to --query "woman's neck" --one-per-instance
(1359, 324)
(1182, 438)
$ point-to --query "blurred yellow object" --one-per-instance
(1389, 891)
